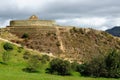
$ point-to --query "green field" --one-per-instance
(13, 70)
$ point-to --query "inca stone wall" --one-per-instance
(32, 30)
(32, 23)
(42, 34)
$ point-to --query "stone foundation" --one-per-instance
(32, 23)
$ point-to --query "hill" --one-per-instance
(70, 43)
(115, 31)
(13, 69)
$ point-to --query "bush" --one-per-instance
(113, 64)
(8, 46)
(95, 68)
(108, 66)
(25, 35)
(74, 29)
(5, 57)
(58, 43)
(33, 64)
(60, 67)
(20, 49)
(74, 66)
(26, 55)
(45, 58)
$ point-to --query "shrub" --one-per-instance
(33, 64)
(26, 55)
(58, 43)
(60, 67)
(5, 57)
(20, 49)
(74, 29)
(74, 66)
(8, 46)
(25, 35)
(113, 64)
(93, 68)
(45, 58)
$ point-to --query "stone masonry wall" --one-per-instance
(32, 23)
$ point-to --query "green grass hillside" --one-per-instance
(13, 69)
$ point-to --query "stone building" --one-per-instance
(44, 35)
(32, 21)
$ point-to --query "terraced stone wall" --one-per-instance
(32, 23)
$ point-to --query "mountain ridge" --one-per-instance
(115, 31)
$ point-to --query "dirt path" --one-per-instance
(9, 42)
(59, 39)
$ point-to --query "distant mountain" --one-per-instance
(114, 31)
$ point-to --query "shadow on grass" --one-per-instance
(30, 70)
(3, 63)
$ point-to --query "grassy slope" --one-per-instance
(13, 71)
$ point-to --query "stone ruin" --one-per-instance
(32, 21)
(72, 43)
(43, 34)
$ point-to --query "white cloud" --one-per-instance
(83, 13)
(90, 21)
(32, 5)
(84, 22)
(5, 23)
(102, 28)
(115, 21)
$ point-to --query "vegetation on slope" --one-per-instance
(23, 65)
(102, 66)
(85, 44)
(79, 44)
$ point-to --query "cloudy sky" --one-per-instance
(97, 14)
